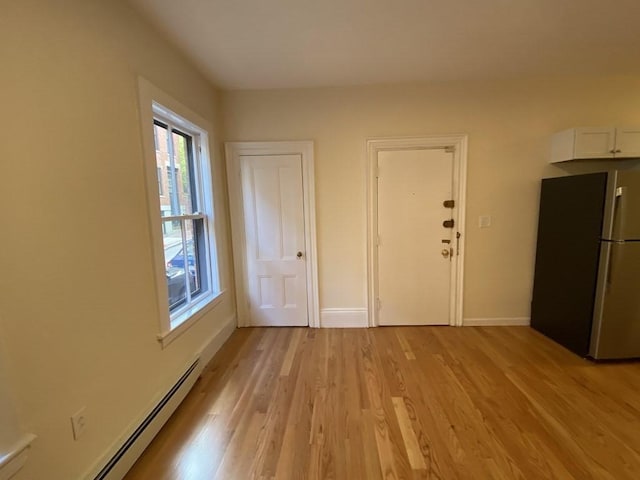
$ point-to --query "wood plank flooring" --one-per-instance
(401, 403)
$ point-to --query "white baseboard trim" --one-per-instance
(496, 322)
(124, 452)
(344, 318)
(211, 346)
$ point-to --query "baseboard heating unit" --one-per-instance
(132, 448)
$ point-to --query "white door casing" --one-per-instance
(457, 145)
(271, 198)
(414, 248)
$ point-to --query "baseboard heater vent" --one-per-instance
(133, 447)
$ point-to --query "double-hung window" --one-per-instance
(182, 198)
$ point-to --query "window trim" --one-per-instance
(12, 460)
(154, 102)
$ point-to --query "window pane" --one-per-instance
(175, 274)
(182, 145)
(192, 258)
(163, 166)
(160, 182)
(172, 173)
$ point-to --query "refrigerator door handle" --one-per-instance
(619, 213)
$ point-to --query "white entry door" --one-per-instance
(273, 209)
(414, 248)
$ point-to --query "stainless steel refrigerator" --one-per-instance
(586, 292)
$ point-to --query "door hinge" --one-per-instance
(449, 203)
(378, 241)
(378, 304)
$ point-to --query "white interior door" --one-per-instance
(414, 248)
(273, 208)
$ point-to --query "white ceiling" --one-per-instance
(255, 44)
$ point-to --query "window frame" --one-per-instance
(196, 192)
(155, 104)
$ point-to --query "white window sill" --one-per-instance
(13, 461)
(185, 320)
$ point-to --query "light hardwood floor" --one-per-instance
(401, 403)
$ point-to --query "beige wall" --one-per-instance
(78, 316)
(78, 308)
(509, 124)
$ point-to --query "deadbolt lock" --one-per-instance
(448, 223)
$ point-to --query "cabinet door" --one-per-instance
(594, 142)
(627, 142)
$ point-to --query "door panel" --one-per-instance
(619, 327)
(274, 229)
(567, 253)
(628, 142)
(413, 275)
(595, 142)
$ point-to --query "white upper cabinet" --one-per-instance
(595, 142)
(628, 142)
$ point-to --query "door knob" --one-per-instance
(299, 255)
(445, 252)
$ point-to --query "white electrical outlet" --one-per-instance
(78, 423)
(484, 221)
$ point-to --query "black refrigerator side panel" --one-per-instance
(567, 253)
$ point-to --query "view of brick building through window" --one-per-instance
(174, 162)
(169, 175)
